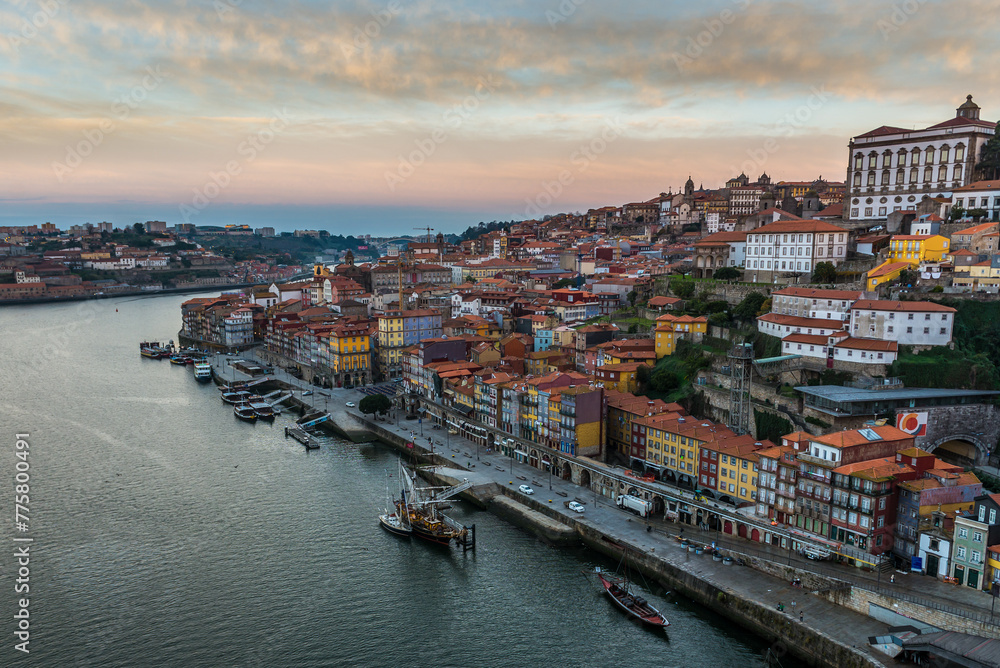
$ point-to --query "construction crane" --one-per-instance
(429, 230)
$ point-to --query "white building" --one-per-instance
(892, 168)
(906, 323)
(814, 303)
(793, 247)
(239, 328)
(840, 347)
(980, 195)
(778, 325)
(745, 200)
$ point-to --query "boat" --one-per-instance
(245, 412)
(179, 360)
(263, 409)
(395, 522)
(619, 589)
(418, 507)
(235, 397)
(203, 372)
(153, 350)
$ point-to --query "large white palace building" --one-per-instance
(892, 169)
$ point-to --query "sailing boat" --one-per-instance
(619, 588)
(421, 512)
(396, 523)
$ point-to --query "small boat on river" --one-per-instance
(245, 412)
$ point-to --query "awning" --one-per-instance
(521, 452)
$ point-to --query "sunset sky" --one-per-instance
(382, 116)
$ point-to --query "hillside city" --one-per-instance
(816, 354)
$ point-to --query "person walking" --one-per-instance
(800, 616)
(892, 578)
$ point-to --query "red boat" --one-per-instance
(620, 591)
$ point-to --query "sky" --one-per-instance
(378, 117)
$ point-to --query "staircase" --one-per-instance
(452, 491)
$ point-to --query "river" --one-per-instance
(167, 533)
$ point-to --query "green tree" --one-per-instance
(988, 167)
(682, 287)
(375, 403)
(728, 274)
(977, 214)
(642, 375)
(138, 228)
(664, 380)
(632, 296)
(751, 305)
(957, 213)
(824, 272)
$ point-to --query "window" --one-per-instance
(963, 533)
(944, 330)
(977, 536)
(960, 552)
(976, 556)
(909, 330)
(993, 516)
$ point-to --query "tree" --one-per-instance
(824, 272)
(664, 380)
(682, 287)
(728, 274)
(977, 214)
(375, 403)
(642, 375)
(751, 305)
(138, 228)
(632, 296)
(988, 167)
(957, 213)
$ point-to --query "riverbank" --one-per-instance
(126, 293)
(827, 635)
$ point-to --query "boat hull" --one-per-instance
(431, 537)
(636, 608)
(392, 524)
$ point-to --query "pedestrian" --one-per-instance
(892, 579)
(800, 616)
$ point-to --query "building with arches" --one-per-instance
(893, 169)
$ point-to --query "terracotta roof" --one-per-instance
(887, 268)
(817, 293)
(883, 130)
(979, 185)
(868, 344)
(847, 438)
(959, 121)
(976, 229)
(886, 305)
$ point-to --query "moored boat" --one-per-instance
(395, 524)
(244, 412)
(262, 408)
(235, 397)
(203, 372)
(619, 589)
(179, 360)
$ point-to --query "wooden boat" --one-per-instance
(426, 525)
(179, 360)
(235, 397)
(619, 589)
(262, 408)
(395, 524)
(245, 412)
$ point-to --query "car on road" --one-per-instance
(307, 393)
(524, 489)
(576, 507)
(350, 404)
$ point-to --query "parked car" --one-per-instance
(350, 404)
(524, 489)
(576, 507)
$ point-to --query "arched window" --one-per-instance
(929, 156)
(960, 153)
(871, 178)
(857, 179)
(957, 174)
(942, 173)
(945, 151)
(913, 175)
(858, 160)
(885, 177)
(914, 157)
(900, 176)
(928, 174)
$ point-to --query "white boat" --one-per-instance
(203, 372)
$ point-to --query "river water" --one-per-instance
(168, 533)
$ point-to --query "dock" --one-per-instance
(302, 436)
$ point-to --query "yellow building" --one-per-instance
(985, 276)
(918, 248)
(671, 328)
(390, 343)
(738, 469)
(350, 354)
(884, 273)
(621, 377)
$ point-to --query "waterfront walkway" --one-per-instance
(483, 467)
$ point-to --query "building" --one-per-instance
(917, 249)
(400, 329)
(840, 347)
(350, 353)
(793, 247)
(885, 273)
(975, 533)
(814, 303)
(893, 168)
(672, 328)
(969, 237)
(906, 323)
(981, 195)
